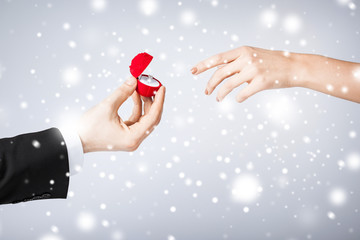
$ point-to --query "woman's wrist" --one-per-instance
(301, 70)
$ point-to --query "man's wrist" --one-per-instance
(74, 149)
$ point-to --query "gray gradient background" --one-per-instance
(295, 211)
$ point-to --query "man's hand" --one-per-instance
(102, 129)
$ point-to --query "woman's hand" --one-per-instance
(266, 69)
(261, 69)
(102, 129)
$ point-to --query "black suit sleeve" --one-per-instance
(33, 166)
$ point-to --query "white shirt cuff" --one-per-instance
(74, 149)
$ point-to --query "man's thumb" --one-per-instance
(123, 92)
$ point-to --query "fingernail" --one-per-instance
(131, 81)
(194, 70)
(206, 92)
(218, 99)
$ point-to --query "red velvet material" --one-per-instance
(139, 64)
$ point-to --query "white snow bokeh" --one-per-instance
(208, 167)
(71, 76)
(214, 3)
(36, 144)
(352, 134)
(172, 209)
(280, 109)
(117, 235)
(188, 17)
(72, 44)
(50, 236)
(24, 105)
(337, 197)
(171, 237)
(356, 74)
(331, 215)
(148, 7)
(246, 189)
(353, 161)
(269, 17)
(86, 221)
(113, 51)
(226, 105)
(292, 23)
(343, 2)
(98, 5)
(66, 26)
(350, 4)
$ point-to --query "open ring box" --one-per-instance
(147, 85)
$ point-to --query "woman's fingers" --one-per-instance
(216, 60)
(243, 64)
(224, 72)
(254, 87)
(244, 76)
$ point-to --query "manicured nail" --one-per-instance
(218, 99)
(194, 70)
(206, 92)
(131, 81)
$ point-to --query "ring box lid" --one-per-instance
(140, 63)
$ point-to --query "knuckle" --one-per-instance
(220, 73)
(209, 63)
(214, 60)
(217, 58)
(254, 68)
(153, 124)
(247, 53)
(247, 57)
(261, 79)
(244, 49)
(265, 83)
(108, 107)
(257, 70)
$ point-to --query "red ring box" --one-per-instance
(147, 85)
